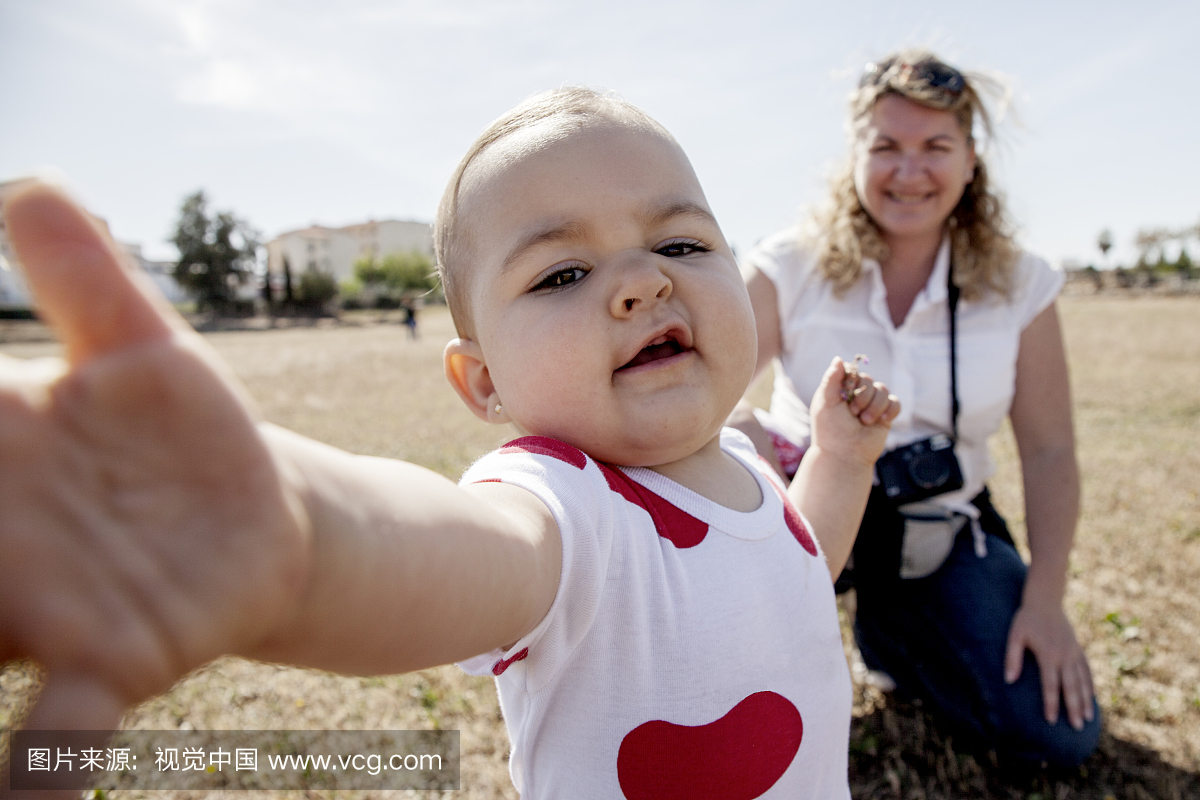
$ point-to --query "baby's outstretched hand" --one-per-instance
(851, 412)
(146, 525)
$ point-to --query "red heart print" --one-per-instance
(737, 757)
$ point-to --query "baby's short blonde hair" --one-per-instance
(575, 108)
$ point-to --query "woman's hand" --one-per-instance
(1043, 628)
(146, 526)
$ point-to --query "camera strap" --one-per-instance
(952, 293)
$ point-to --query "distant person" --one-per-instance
(945, 605)
(410, 320)
(657, 613)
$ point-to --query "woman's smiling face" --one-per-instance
(911, 165)
(606, 303)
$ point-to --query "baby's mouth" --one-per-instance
(660, 348)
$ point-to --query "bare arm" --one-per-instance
(1041, 418)
(410, 570)
(766, 317)
(765, 303)
(152, 523)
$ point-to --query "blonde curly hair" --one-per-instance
(981, 238)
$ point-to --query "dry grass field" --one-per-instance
(1135, 368)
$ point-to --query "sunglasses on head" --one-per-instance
(933, 74)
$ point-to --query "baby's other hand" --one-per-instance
(146, 525)
(852, 413)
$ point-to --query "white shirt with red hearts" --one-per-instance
(692, 651)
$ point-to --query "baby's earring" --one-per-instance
(498, 409)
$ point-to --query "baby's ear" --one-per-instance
(468, 374)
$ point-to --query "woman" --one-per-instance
(946, 606)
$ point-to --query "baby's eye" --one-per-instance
(560, 278)
(680, 247)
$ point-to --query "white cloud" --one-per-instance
(194, 23)
(272, 59)
(1108, 69)
(275, 82)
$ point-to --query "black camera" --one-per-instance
(919, 470)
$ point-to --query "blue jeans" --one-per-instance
(943, 638)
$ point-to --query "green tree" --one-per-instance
(217, 253)
(1184, 264)
(397, 274)
(316, 288)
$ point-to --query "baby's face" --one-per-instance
(606, 303)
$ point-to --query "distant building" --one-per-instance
(334, 250)
(15, 296)
(161, 273)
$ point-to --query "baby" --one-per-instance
(656, 609)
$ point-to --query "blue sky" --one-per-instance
(291, 113)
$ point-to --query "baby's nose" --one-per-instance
(640, 283)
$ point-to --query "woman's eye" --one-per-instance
(681, 248)
(559, 279)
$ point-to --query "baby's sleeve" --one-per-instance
(575, 491)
